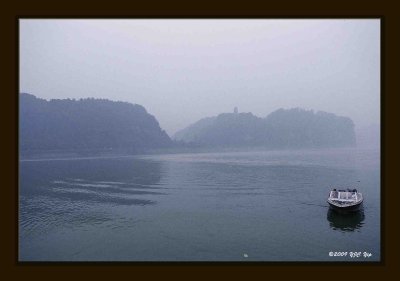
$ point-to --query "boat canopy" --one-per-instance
(345, 195)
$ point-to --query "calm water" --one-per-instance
(236, 206)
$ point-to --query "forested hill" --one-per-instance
(293, 128)
(86, 125)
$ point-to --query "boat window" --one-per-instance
(343, 195)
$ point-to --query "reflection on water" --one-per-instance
(346, 222)
(84, 193)
(194, 207)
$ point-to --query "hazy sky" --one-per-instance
(184, 70)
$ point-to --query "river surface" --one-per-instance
(231, 206)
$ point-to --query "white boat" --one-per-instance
(349, 200)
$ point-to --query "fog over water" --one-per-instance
(99, 180)
(232, 206)
(184, 70)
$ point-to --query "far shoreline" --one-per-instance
(107, 154)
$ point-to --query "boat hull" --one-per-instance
(346, 209)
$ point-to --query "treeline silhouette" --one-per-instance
(293, 128)
(98, 125)
(87, 125)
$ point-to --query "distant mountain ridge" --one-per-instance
(103, 125)
(87, 124)
(292, 128)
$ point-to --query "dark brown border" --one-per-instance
(293, 9)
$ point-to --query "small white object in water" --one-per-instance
(245, 255)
